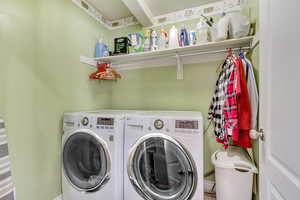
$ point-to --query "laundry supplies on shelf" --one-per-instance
(223, 28)
(184, 39)
(121, 45)
(154, 41)
(163, 40)
(151, 47)
(164, 57)
(239, 25)
(137, 42)
(101, 49)
(202, 32)
(173, 38)
(193, 37)
(231, 106)
(147, 42)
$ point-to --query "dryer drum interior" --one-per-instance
(86, 161)
(162, 169)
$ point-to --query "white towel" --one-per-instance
(7, 188)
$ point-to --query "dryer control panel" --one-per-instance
(188, 126)
(96, 122)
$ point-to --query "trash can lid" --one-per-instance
(233, 158)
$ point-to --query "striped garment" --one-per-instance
(7, 189)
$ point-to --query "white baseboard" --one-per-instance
(58, 198)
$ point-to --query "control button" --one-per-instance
(149, 128)
(98, 127)
(158, 124)
(91, 126)
(85, 121)
(168, 130)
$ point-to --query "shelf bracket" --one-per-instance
(89, 61)
(179, 67)
(255, 41)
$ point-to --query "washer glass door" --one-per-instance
(86, 161)
(161, 169)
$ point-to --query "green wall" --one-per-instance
(40, 79)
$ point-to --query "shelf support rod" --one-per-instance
(179, 67)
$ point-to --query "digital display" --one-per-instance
(105, 121)
(186, 124)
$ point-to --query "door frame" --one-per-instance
(264, 81)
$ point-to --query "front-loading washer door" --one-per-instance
(160, 168)
(86, 161)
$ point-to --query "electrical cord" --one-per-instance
(208, 126)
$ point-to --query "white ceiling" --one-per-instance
(160, 7)
(116, 9)
(111, 9)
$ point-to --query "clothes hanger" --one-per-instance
(229, 55)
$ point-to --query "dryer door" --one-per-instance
(160, 168)
(86, 161)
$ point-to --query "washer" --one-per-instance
(163, 156)
(92, 152)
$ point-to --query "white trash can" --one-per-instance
(234, 174)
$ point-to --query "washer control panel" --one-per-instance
(187, 126)
(95, 122)
(85, 121)
(105, 123)
(159, 124)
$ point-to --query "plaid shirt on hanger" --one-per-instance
(230, 109)
(216, 108)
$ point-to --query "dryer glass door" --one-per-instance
(86, 161)
(161, 169)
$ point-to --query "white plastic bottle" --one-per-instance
(223, 28)
(173, 38)
(202, 32)
(154, 39)
(163, 40)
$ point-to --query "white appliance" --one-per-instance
(92, 151)
(163, 156)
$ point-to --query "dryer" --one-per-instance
(92, 154)
(163, 156)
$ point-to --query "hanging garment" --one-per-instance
(7, 189)
(216, 108)
(242, 139)
(252, 89)
(230, 109)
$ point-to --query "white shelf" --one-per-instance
(179, 56)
